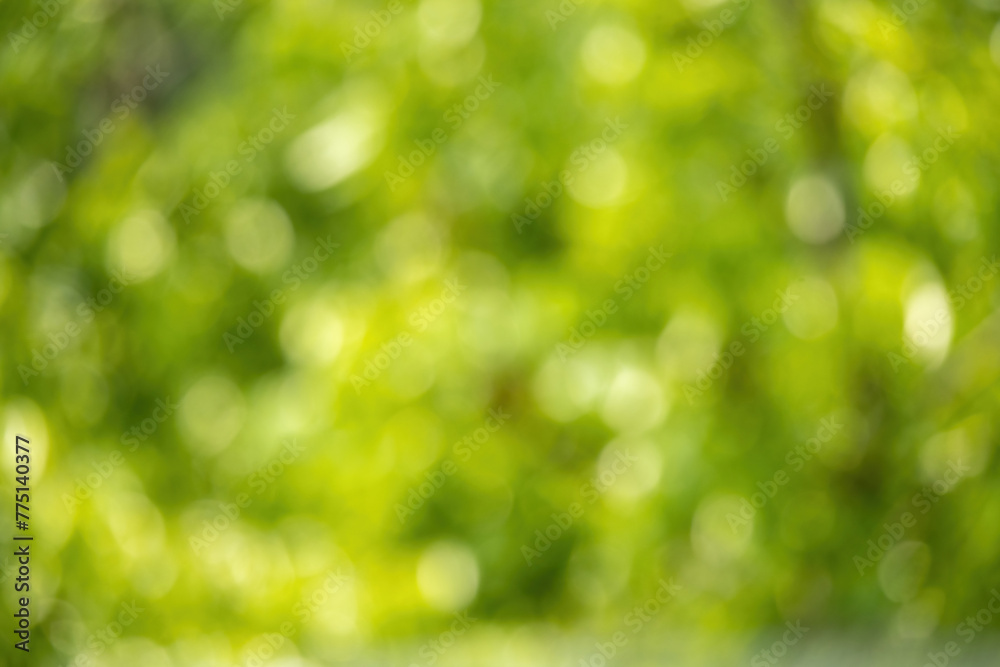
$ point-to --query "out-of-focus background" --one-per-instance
(456, 332)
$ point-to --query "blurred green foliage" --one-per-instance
(344, 233)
